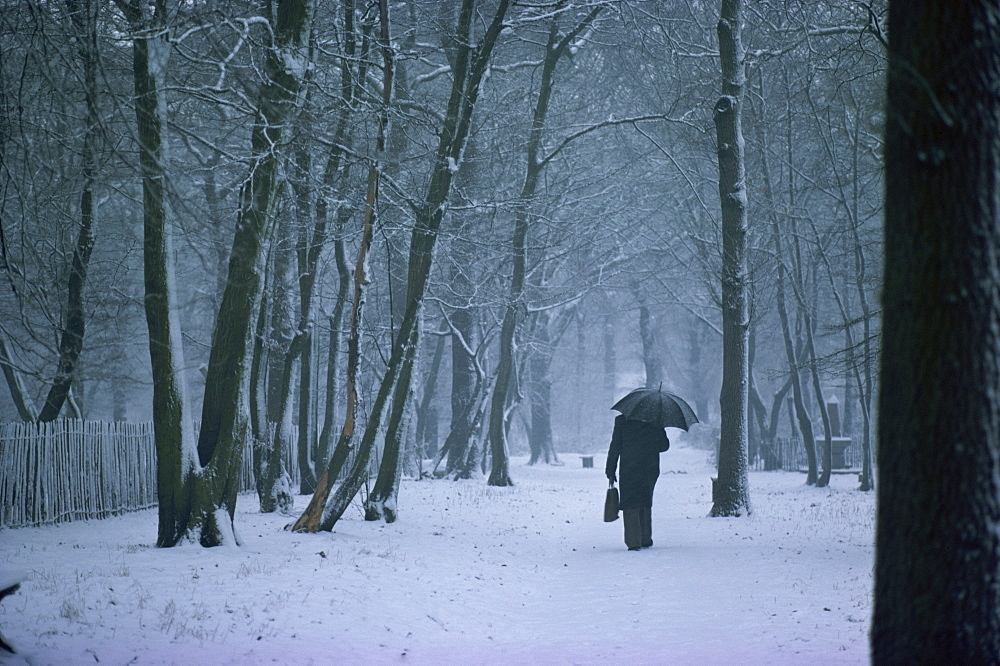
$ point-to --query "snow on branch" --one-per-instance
(610, 122)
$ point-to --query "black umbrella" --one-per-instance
(658, 407)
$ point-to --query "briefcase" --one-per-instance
(611, 504)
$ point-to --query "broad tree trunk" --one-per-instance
(197, 489)
(175, 447)
(731, 491)
(937, 546)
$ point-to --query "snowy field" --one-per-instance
(471, 575)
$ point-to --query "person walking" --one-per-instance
(635, 454)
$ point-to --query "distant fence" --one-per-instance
(788, 453)
(79, 470)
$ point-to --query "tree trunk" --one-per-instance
(797, 412)
(323, 509)
(273, 481)
(468, 76)
(937, 566)
(22, 402)
(515, 309)
(84, 16)
(464, 380)
(540, 393)
(175, 448)
(332, 362)
(426, 432)
(200, 505)
(381, 501)
(651, 359)
(731, 492)
(610, 360)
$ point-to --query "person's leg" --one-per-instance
(646, 526)
(633, 528)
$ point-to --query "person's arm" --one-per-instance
(664, 443)
(614, 451)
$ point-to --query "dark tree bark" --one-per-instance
(515, 309)
(197, 487)
(176, 466)
(467, 384)
(731, 491)
(426, 429)
(937, 551)
(84, 16)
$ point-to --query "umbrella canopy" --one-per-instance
(658, 407)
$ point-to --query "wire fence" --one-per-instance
(71, 469)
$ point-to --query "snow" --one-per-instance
(468, 574)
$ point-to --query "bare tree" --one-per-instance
(731, 491)
(197, 488)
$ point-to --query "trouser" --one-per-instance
(638, 527)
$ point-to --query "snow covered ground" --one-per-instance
(469, 574)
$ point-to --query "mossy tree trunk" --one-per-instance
(197, 486)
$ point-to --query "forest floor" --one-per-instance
(469, 574)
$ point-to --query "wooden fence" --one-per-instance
(74, 470)
(79, 470)
(788, 453)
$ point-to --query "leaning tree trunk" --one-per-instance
(22, 402)
(937, 546)
(469, 72)
(84, 15)
(731, 491)
(515, 309)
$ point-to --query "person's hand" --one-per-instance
(612, 478)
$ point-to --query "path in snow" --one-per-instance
(470, 574)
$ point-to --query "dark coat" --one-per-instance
(638, 446)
